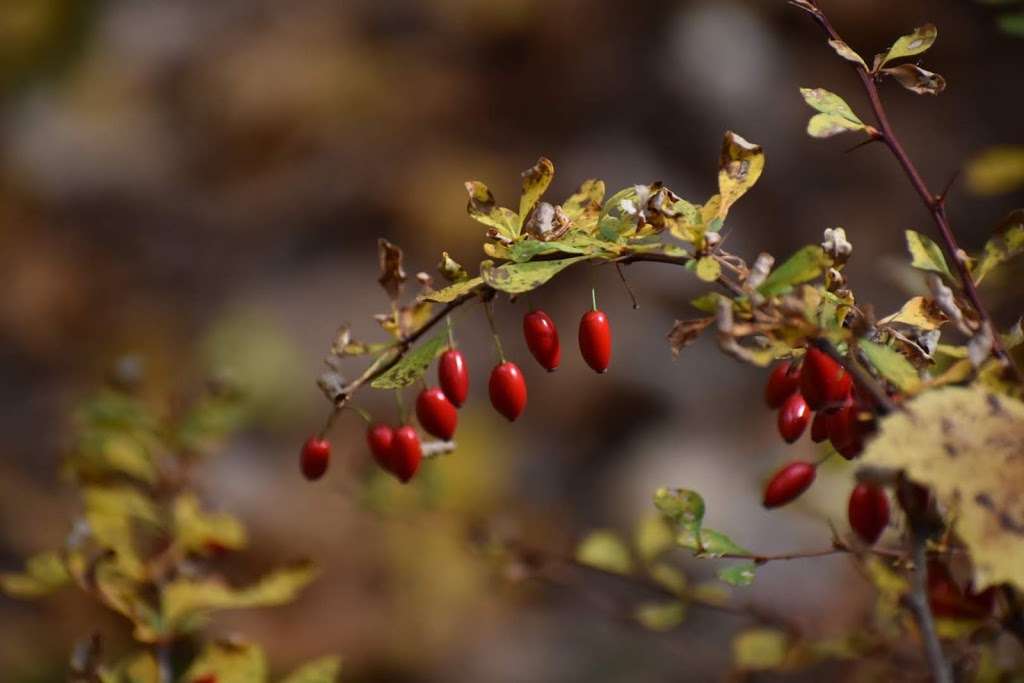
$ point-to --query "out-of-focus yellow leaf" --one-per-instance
(661, 616)
(201, 532)
(122, 593)
(229, 662)
(112, 513)
(966, 444)
(669, 577)
(739, 168)
(323, 670)
(652, 537)
(1008, 244)
(996, 170)
(760, 649)
(708, 269)
(603, 549)
(136, 668)
(44, 573)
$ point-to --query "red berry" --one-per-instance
(379, 438)
(819, 427)
(406, 453)
(596, 340)
(508, 390)
(782, 383)
(436, 413)
(844, 430)
(948, 600)
(453, 375)
(793, 418)
(788, 483)
(316, 454)
(206, 678)
(823, 382)
(542, 339)
(868, 511)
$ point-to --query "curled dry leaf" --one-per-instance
(918, 80)
(392, 275)
(685, 332)
(847, 53)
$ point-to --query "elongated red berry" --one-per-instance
(823, 382)
(436, 413)
(868, 511)
(542, 339)
(406, 453)
(316, 454)
(379, 437)
(782, 383)
(596, 340)
(844, 431)
(453, 375)
(793, 418)
(508, 390)
(948, 599)
(788, 483)
(819, 427)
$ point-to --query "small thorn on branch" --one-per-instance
(625, 283)
(873, 136)
(940, 199)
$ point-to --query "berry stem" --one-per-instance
(401, 406)
(593, 297)
(494, 331)
(451, 333)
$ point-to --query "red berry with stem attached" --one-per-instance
(793, 418)
(453, 375)
(508, 390)
(596, 340)
(782, 383)
(406, 453)
(436, 413)
(819, 427)
(316, 454)
(379, 437)
(788, 483)
(542, 339)
(823, 382)
(868, 511)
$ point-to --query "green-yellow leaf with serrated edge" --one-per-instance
(604, 550)
(835, 115)
(323, 670)
(912, 44)
(203, 532)
(803, 266)
(708, 269)
(926, 254)
(230, 662)
(660, 616)
(44, 573)
(454, 291)
(517, 278)
(892, 365)
(739, 167)
(535, 182)
(760, 649)
(966, 445)
(413, 365)
(483, 208)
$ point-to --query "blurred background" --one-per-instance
(202, 183)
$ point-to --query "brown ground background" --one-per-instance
(202, 183)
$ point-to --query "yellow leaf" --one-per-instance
(917, 312)
(966, 444)
(535, 182)
(44, 573)
(202, 532)
(661, 616)
(708, 269)
(454, 291)
(835, 115)
(912, 44)
(739, 167)
(323, 670)
(760, 649)
(604, 550)
(230, 662)
(652, 537)
(996, 170)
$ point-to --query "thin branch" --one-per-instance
(918, 600)
(934, 203)
(625, 283)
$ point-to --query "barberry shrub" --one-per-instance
(146, 547)
(926, 399)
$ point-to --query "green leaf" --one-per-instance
(413, 365)
(835, 115)
(708, 303)
(803, 266)
(738, 574)
(604, 550)
(202, 532)
(760, 649)
(614, 220)
(209, 422)
(716, 544)
(1002, 247)
(229, 662)
(516, 278)
(652, 537)
(535, 182)
(926, 255)
(572, 243)
(911, 44)
(186, 602)
(708, 269)
(454, 291)
(44, 573)
(661, 616)
(685, 510)
(892, 365)
(739, 167)
(1012, 24)
(483, 208)
(323, 670)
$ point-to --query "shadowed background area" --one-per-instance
(202, 184)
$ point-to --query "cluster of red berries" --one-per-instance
(398, 450)
(818, 392)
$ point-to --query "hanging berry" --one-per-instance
(783, 382)
(436, 413)
(542, 339)
(595, 338)
(453, 376)
(788, 483)
(406, 453)
(508, 390)
(379, 438)
(316, 455)
(823, 382)
(868, 511)
(793, 418)
(819, 427)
